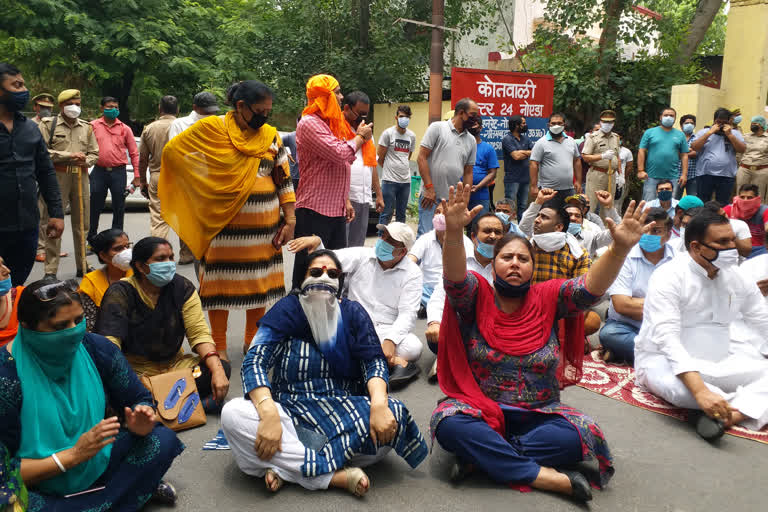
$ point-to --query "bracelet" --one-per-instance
(58, 463)
(429, 186)
(262, 400)
(210, 354)
(289, 219)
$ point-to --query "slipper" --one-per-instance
(709, 429)
(432, 375)
(354, 477)
(275, 479)
(63, 254)
(40, 257)
(460, 471)
(580, 488)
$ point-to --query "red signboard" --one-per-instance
(504, 93)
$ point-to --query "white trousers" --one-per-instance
(410, 346)
(240, 422)
(741, 378)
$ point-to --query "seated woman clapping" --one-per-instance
(113, 248)
(314, 424)
(57, 381)
(502, 366)
(149, 314)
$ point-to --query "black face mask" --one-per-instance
(511, 291)
(257, 120)
(523, 128)
(755, 128)
(475, 130)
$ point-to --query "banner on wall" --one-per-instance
(501, 94)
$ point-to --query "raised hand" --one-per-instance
(545, 195)
(455, 209)
(604, 198)
(627, 234)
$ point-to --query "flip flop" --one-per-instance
(275, 478)
(354, 477)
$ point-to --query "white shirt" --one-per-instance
(391, 297)
(437, 300)
(740, 229)
(182, 123)
(430, 255)
(360, 181)
(754, 269)
(687, 315)
(633, 278)
(625, 156)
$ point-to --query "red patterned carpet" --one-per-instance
(618, 382)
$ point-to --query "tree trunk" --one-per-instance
(706, 10)
(607, 51)
(365, 22)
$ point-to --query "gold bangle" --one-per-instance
(263, 400)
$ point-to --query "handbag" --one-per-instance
(176, 398)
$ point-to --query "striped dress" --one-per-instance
(241, 269)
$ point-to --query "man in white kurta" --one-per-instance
(745, 337)
(683, 352)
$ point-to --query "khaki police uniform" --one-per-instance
(44, 100)
(153, 140)
(597, 143)
(70, 136)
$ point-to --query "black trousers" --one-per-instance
(331, 230)
(102, 180)
(18, 249)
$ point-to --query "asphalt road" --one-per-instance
(661, 465)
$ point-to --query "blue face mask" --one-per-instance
(485, 250)
(688, 128)
(15, 101)
(650, 243)
(664, 195)
(737, 119)
(403, 122)
(5, 287)
(503, 217)
(161, 273)
(384, 250)
(667, 121)
(574, 228)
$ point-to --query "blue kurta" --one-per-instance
(320, 400)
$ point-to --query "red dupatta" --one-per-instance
(523, 332)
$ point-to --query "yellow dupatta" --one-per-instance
(95, 284)
(207, 174)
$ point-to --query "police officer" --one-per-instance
(601, 151)
(43, 106)
(73, 149)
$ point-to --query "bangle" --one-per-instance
(429, 186)
(58, 463)
(290, 219)
(210, 354)
(262, 400)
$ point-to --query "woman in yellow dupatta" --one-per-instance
(113, 248)
(222, 185)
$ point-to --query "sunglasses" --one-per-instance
(333, 273)
(50, 291)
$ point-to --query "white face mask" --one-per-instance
(550, 242)
(606, 127)
(319, 303)
(556, 129)
(122, 260)
(71, 111)
(726, 258)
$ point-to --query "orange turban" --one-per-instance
(322, 101)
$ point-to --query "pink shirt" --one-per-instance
(113, 142)
(325, 167)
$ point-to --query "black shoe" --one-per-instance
(422, 314)
(402, 375)
(50, 277)
(580, 488)
(706, 427)
(165, 494)
(460, 471)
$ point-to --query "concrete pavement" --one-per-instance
(661, 465)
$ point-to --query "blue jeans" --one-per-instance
(395, 197)
(517, 192)
(619, 338)
(102, 180)
(722, 187)
(690, 188)
(485, 203)
(426, 292)
(425, 218)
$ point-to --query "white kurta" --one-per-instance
(686, 322)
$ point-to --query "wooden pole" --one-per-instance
(83, 263)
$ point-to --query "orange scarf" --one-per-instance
(9, 331)
(323, 102)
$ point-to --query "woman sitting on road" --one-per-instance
(9, 303)
(498, 360)
(322, 425)
(113, 249)
(149, 314)
(57, 381)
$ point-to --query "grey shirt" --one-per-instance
(555, 161)
(451, 151)
(396, 166)
(718, 156)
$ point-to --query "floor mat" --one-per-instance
(618, 382)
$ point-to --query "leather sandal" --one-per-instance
(354, 477)
(275, 480)
(580, 489)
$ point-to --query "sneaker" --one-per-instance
(165, 494)
(422, 314)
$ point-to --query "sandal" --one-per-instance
(275, 480)
(354, 477)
